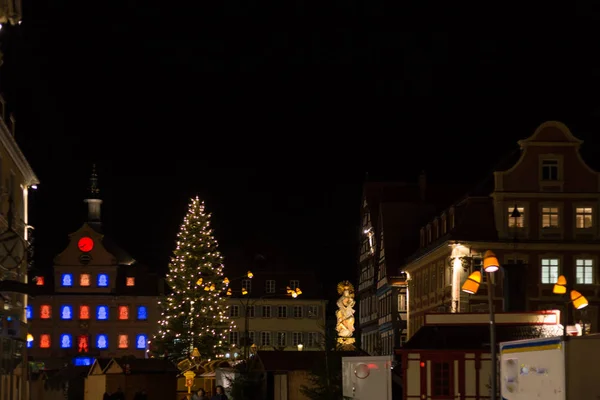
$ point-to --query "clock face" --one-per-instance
(86, 244)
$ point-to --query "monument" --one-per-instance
(345, 316)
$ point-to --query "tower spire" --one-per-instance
(93, 201)
(94, 189)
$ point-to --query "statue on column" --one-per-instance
(345, 316)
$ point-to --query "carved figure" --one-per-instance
(345, 312)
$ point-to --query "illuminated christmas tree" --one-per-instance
(194, 314)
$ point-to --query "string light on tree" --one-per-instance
(194, 313)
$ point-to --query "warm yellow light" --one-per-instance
(229, 293)
(206, 288)
(560, 287)
(300, 346)
(29, 337)
(294, 295)
(298, 291)
(212, 287)
(226, 281)
(250, 274)
(471, 285)
(244, 292)
(288, 290)
(579, 301)
(199, 281)
(195, 352)
(490, 262)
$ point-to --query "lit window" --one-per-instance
(84, 312)
(123, 312)
(549, 271)
(550, 170)
(29, 312)
(39, 281)
(65, 341)
(102, 341)
(44, 341)
(66, 280)
(130, 281)
(549, 217)
(140, 341)
(102, 313)
(102, 280)
(82, 344)
(583, 217)
(45, 311)
(584, 272)
(84, 280)
(518, 222)
(142, 313)
(123, 341)
(66, 312)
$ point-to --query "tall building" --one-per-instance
(98, 301)
(539, 214)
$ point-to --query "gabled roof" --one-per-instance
(98, 366)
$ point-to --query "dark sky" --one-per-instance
(273, 123)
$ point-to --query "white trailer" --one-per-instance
(367, 378)
(559, 368)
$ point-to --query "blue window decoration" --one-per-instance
(83, 361)
(142, 313)
(102, 280)
(102, 341)
(30, 344)
(140, 341)
(66, 341)
(66, 312)
(66, 280)
(102, 313)
(29, 312)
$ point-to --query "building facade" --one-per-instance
(540, 217)
(97, 302)
(271, 318)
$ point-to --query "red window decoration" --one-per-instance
(123, 312)
(130, 281)
(84, 280)
(84, 312)
(85, 244)
(123, 341)
(82, 344)
(45, 341)
(45, 311)
(39, 281)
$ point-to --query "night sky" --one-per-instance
(273, 120)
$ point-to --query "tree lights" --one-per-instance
(194, 313)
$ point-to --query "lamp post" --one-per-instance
(471, 286)
(574, 297)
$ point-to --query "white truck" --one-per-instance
(559, 368)
(367, 378)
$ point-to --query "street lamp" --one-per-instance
(471, 286)
(577, 299)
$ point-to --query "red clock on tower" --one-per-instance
(86, 244)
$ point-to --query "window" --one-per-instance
(247, 284)
(102, 313)
(250, 311)
(28, 312)
(252, 336)
(84, 280)
(102, 341)
(583, 217)
(140, 341)
(549, 170)
(123, 312)
(130, 281)
(45, 311)
(312, 339)
(82, 344)
(584, 272)
(66, 312)
(102, 280)
(65, 341)
(549, 217)
(266, 311)
(123, 341)
(281, 339)
(440, 372)
(142, 313)
(516, 222)
(234, 311)
(83, 361)
(270, 286)
(294, 284)
(313, 311)
(66, 280)
(282, 312)
(297, 311)
(297, 338)
(234, 337)
(549, 271)
(84, 312)
(402, 302)
(265, 338)
(44, 341)
(39, 281)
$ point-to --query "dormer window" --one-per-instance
(550, 170)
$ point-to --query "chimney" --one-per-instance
(423, 184)
(93, 201)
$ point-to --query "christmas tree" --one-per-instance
(194, 314)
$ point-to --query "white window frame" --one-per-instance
(551, 277)
(282, 312)
(265, 338)
(281, 339)
(585, 265)
(551, 211)
(294, 284)
(312, 311)
(234, 337)
(298, 312)
(270, 286)
(559, 181)
(247, 284)
(234, 311)
(296, 338)
(312, 339)
(265, 308)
